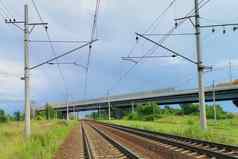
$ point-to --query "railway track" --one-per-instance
(199, 148)
(98, 145)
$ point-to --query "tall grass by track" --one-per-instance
(224, 131)
(45, 140)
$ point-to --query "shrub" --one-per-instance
(190, 122)
(133, 116)
(149, 118)
(39, 117)
(220, 113)
(188, 109)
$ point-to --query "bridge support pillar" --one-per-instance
(99, 113)
(78, 116)
(64, 115)
(132, 107)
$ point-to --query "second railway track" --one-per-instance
(197, 148)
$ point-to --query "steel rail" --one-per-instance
(125, 150)
(183, 142)
(87, 148)
(228, 147)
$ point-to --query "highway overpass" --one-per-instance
(223, 93)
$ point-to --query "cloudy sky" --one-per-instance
(117, 23)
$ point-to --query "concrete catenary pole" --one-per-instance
(230, 71)
(67, 111)
(27, 128)
(109, 105)
(214, 101)
(200, 68)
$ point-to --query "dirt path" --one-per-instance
(72, 148)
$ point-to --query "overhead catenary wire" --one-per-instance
(93, 37)
(67, 94)
(56, 41)
(4, 11)
(62, 55)
(202, 3)
(169, 34)
(152, 49)
(153, 24)
(1, 14)
(168, 49)
(53, 51)
(4, 6)
(8, 75)
(37, 10)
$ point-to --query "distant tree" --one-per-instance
(3, 116)
(18, 116)
(188, 109)
(103, 115)
(220, 113)
(50, 112)
(193, 109)
(148, 111)
(148, 108)
(170, 111)
(40, 115)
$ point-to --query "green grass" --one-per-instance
(224, 131)
(45, 140)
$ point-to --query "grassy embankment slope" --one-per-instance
(45, 140)
(224, 131)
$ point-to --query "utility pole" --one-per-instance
(214, 101)
(200, 68)
(28, 29)
(27, 74)
(230, 71)
(199, 62)
(109, 105)
(26, 78)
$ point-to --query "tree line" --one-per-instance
(48, 114)
(151, 111)
(4, 117)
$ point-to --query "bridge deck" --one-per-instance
(171, 96)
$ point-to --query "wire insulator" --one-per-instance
(176, 24)
(90, 46)
(224, 31)
(213, 30)
(46, 27)
(137, 38)
(174, 55)
(234, 28)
